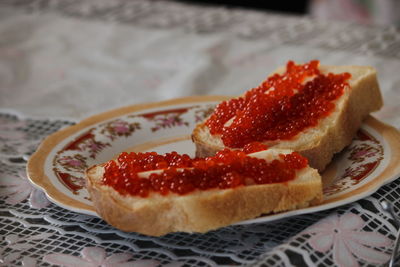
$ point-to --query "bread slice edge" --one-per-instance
(332, 133)
(201, 211)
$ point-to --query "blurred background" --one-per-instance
(380, 12)
(75, 58)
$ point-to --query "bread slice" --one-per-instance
(201, 211)
(332, 133)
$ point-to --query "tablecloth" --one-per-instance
(61, 61)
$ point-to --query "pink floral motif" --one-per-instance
(86, 142)
(93, 147)
(364, 156)
(119, 128)
(349, 244)
(364, 151)
(357, 172)
(15, 246)
(18, 188)
(75, 162)
(201, 114)
(95, 257)
(168, 120)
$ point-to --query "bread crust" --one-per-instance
(201, 211)
(363, 97)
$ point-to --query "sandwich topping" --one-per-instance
(281, 107)
(181, 175)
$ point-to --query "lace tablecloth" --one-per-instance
(61, 61)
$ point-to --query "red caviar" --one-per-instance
(281, 107)
(182, 175)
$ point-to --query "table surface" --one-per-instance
(61, 61)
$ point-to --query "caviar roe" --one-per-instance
(280, 108)
(181, 174)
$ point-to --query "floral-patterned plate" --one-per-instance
(58, 165)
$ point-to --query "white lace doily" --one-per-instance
(219, 42)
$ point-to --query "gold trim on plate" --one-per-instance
(36, 164)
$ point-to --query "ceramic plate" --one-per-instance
(58, 165)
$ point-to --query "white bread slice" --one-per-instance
(332, 133)
(201, 211)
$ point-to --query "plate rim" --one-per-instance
(36, 164)
(35, 168)
(390, 173)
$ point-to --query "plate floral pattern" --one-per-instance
(71, 161)
(362, 157)
(60, 163)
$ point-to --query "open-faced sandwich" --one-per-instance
(256, 155)
(310, 108)
(157, 194)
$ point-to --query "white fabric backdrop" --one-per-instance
(53, 66)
